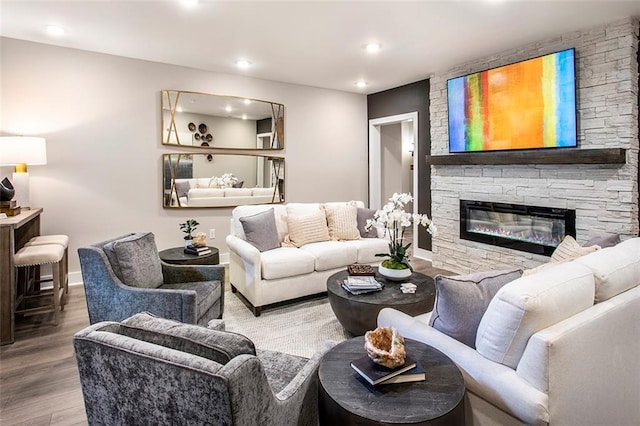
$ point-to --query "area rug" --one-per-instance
(297, 329)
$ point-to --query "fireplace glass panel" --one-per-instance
(527, 228)
(532, 229)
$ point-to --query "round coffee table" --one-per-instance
(359, 314)
(177, 256)
(345, 398)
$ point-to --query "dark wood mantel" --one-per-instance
(549, 156)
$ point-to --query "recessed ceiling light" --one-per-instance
(54, 30)
(247, 101)
(361, 83)
(228, 108)
(243, 63)
(373, 47)
(179, 109)
(244, 116)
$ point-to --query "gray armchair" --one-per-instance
(124, 276)
(152, 371)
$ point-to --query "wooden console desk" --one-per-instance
(15, 231)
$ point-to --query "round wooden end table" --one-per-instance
(359, 313)
(177, 256)
(345, 398)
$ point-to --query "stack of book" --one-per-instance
(361, 284)
(197, 251)
(375, 374)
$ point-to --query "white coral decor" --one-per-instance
(394, 219)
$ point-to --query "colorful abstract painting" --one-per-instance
(529, 104)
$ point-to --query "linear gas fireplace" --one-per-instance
(526, 228)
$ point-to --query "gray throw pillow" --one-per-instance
(462, 300)
(136, 258)
(182, 188)
(218, 346)
(363, 215)
(260, 230)
(605, 240)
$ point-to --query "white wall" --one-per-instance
(101, 117)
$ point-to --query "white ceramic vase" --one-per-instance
(188, 242)
(394, 274)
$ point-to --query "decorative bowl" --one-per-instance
(394, 274)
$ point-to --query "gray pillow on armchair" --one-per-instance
(134, 259)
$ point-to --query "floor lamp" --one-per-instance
(21, 151)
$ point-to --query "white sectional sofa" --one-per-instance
(558, 347)
(287, 273)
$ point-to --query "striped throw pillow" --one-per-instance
(569, 249)
(305, 229)
(342, 221)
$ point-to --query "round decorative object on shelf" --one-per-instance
(204, 144)
(7, 190)
(209, 137)
(210, 157)
(394, 274)
(197, 136)
(192, 127)
(202, 128)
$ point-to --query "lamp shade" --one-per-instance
(22, 150)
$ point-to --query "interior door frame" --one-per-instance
(375, 165)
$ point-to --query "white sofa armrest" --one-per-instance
(493, 382)
(588, 363)
(248, 252)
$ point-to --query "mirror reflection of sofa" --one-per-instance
(196, 192)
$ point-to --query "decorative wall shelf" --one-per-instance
(552, 156)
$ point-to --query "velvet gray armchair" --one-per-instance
(124, 276)
(152, 371)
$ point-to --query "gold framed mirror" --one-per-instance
(204, 120)
(202, 180)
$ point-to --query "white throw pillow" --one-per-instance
(305, 229)
(529, 304)
(342, 221)
(616, 269)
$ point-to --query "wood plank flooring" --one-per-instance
(39, 383)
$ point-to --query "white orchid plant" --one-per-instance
(227, 180)
(394, 219)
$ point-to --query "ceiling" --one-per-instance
(310, 43)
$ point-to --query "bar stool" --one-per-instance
(62, 240)
(38, 255)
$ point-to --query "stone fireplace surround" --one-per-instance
(604, 196)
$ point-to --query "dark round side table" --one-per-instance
(177, 256)
(359, 313)
(345, 398)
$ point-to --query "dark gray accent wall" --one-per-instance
(400, 100)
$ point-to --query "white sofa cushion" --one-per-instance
(368, 248)
(616, 269)
(286, 262)
(331, 254)
(529, 304)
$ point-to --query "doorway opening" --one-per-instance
(393, 166)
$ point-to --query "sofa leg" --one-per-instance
(233, 289)
(257, 310)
